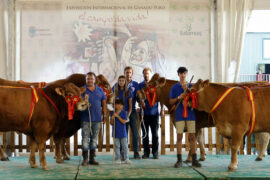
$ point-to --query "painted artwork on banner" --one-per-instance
(106, 43)
(106, 36)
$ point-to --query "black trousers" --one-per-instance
(151, 121)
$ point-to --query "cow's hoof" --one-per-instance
(187, 161)
(5, 159)
(232, 169)
(45, 168)
(258, 159)
(202, 159)
(59, 161)
(33, 166)
(66, 158)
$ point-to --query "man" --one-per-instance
(96, 98)
(133, 120)
(176, 96)
(151, 118)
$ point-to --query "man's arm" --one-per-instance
(178, 98)
(129, 106)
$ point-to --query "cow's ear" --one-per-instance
(82, 89)
(200, 81)
(154, 78)
(101, 78)
(161, 82)
(59, 91)
(206, 83)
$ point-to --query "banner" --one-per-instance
(106, 36)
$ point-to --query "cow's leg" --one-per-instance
(42, 158)
(3, 155)
(32, 157)
(263, 146)
(58, 145)
(200, 139)
(64, 150)
(235, 145)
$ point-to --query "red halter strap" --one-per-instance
(71, 100)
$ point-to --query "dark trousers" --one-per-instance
(133, 124)
(151, 121)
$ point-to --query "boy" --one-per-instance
(119, 129)
(176, 95)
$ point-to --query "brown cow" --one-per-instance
(3, 155)
(201, 116)
(45, 120)
(68, 127)
(232, 118)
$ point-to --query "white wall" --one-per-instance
(261, 5)
(2, 42)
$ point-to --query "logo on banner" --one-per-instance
(187, 31)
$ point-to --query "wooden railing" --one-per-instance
(16, 140)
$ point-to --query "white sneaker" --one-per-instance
(127, 161)
(118, 161)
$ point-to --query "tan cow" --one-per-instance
(163, 91)
(232, 118)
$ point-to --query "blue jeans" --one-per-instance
(89, 142)
(133, 123)
(123, 143)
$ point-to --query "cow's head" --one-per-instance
(102, 82)
(200, 85)
(191, 98)
(72, 95)
(151, 90)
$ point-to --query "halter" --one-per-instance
(71, 101)
(151, 94)
(193, 95)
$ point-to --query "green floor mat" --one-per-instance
(215, 167)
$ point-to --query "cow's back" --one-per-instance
(16, 107)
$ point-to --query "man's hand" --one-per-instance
(103, 119)
(142, 104)
(181, 96)
(128, 115)
(162, 112)
(111, 121)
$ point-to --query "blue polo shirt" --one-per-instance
(121, 96)
(176, 90)
(134, 87)
(149, 110)
(94, 99)
(120, 129)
